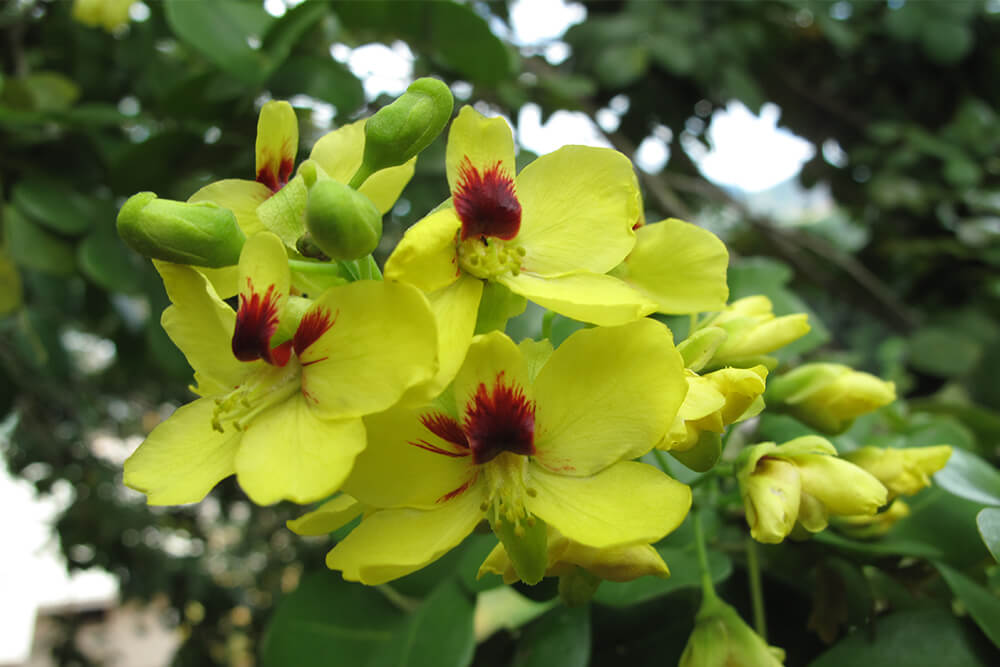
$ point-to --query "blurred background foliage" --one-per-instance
(901, 102)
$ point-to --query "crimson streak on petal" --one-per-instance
(499, 420)
(314, 324)
(256, 322)
(486, 203)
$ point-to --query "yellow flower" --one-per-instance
(869, 527)
(107, 14)
(802, 481)
(903, 471)
(753, 332)
(525, 446)
(281, 410)
(828, 397)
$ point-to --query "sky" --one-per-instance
(749, 152)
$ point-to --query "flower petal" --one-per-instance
(183, 457)
(328, 517)
(277, 143)
(680, 266)
(382, 341)
(490, 356)
(239, 196)
(589, 297)
(392, 543)
(579, 204)
(454, 308)
(288, 453)
(484, 142)
(607, 394)
(628, 503)
(201, 325)
(340, 152)
(395, 472)
(426, 257)
(264, 282)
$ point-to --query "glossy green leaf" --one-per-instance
(326, 617)
(560, 638)
(983, 605)
(222, 31)
(35, 248)
(53, 204)
(319, 77)
(285, 33)
(11, 290)
(988, 521)
(970, 477)
(943, 352)
(464, 41)
(929, 637)
(104, 259)
(439, 633)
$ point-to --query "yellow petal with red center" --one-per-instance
(589, 297)
(454, 308)
(628, 503)
(277, 144)
(393, 543)
(381, 340)
(239, 196)
(288, 453)
(340, 152)
(579, 204)
(607, 394)
(492, 359)
(328, 517)
(201, 325)
(264, 282)
(426, 256)
(263, 264)
(483, 142)
(224, 280)
(183, 457)
(680, 266)
(406, 464)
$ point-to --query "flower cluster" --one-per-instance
(403, 402)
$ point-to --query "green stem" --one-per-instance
(360, 176)
(707, 588)
(756, 589)
(661, 459)
(317, 268)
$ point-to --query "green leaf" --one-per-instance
(220, 31)
(983, 606)
(326, 617)
(988, 522)
(438, 634)
(560, 638)
(463, 41)
(320, 77)
(53, 204)
(31, 246)
(622, 65)
(284, 33)
(943, 352)
(970, 477)
(474, 551)
(10, 284)
(916, 638)
(104, 259)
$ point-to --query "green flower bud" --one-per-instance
(401, 130)
(722, 639)
(201, 233)
(342, 222)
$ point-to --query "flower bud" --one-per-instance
(699, 348)
(401, 130)
(870, 527)
(107, 14)
(342, 222)
(721, 639)
(902, 471)
(200, 234)
(802, 481)
(754, 331)
(828, 397)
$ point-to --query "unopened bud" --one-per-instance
(342, 222)
(200, 233)
(401, 130)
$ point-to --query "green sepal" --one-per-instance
(577, 587)
(704, 455)
(341, 221)
(199, 233)
(528, 552)
(497, 305)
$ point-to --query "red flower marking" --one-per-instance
(486, 203)
(501, 420)
(256, 321)
(314, 324)
(448, 430)
(276, 179)
(457, 492)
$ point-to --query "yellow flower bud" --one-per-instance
(722, 639)
(869, 527)
(802, 481)
(829, 397)
(753, 331)
(107, 14)
(902, 471)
